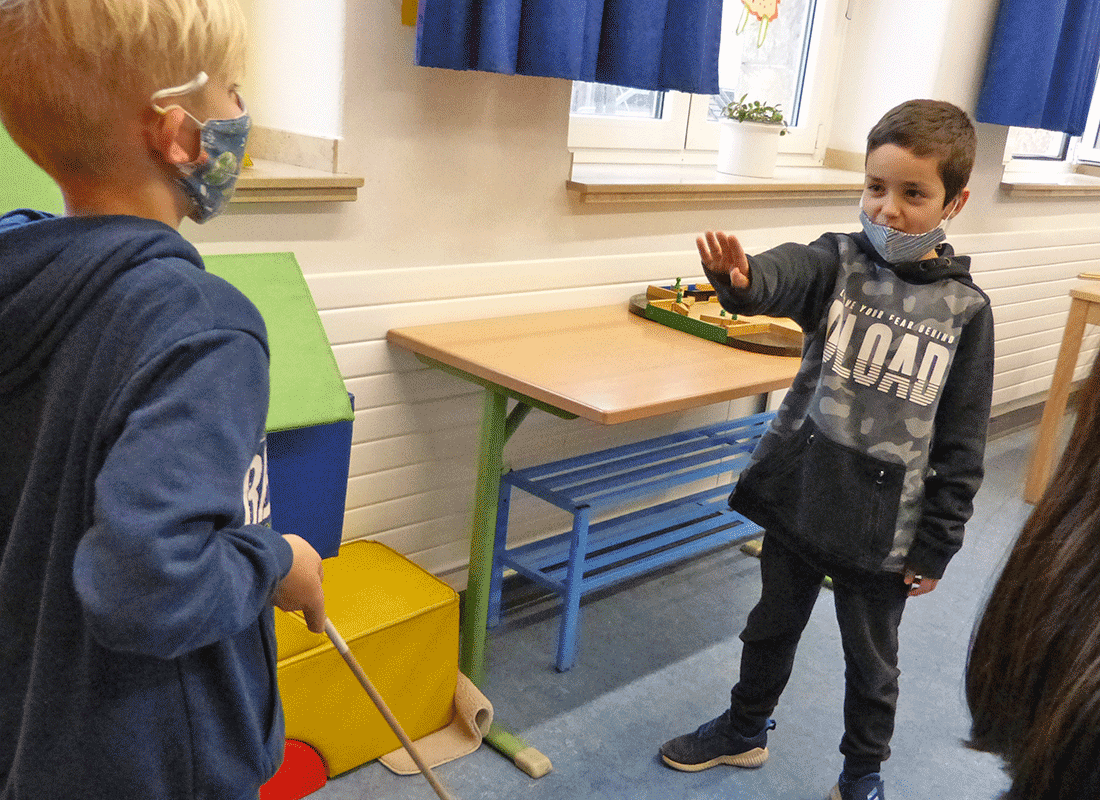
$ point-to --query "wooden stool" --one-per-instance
(1084, 309)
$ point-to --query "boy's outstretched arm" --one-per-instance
(722, 253)
(301, 589)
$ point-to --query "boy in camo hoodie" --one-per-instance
(869, 471)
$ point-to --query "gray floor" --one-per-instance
(658, 657)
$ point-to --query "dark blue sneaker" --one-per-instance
(869, 787)
(716, 742)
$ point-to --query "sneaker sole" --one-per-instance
(750, 759)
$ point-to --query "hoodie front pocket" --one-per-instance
(848, 504)
(768, 492)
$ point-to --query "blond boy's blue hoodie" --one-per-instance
(137, 652)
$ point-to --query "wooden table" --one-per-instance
(603, 364)
(1084, 310)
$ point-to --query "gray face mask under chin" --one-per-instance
(896, 247)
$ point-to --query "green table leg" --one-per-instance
(496, 427)
(490, 462)
(522, 754)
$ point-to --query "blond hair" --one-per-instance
(70, 69)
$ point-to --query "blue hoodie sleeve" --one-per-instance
(175, 559)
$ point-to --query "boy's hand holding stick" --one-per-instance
(301, 589)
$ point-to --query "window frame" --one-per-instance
(1074, 152)
(685, 135)
(1085, 153)
(664, 134)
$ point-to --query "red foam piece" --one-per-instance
(302, 773)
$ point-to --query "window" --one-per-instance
(791, 67)
(1036, 149)
(1036, 143)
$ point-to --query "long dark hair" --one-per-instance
(1033, 675)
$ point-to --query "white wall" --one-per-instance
(465, 214)
(296, 65)
(901, 50)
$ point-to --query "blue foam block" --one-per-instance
(308, 481)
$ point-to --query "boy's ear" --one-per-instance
(167, 135)
(955, 206)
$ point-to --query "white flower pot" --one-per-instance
(748, 148)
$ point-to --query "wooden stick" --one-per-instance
(343, 649)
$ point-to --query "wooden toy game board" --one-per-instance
(694, 309)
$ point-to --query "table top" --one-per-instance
(604, 364)
(1087, 290)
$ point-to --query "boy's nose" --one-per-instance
(889, 208)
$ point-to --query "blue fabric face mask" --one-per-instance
(211, 179)
(896, 247)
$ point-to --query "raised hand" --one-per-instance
(722, 253)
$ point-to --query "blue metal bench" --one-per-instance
(597, 554)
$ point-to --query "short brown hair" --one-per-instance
(931, 128)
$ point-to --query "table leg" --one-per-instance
(1055, 407)
(495, 429)
(490, 462)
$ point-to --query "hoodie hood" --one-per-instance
(53, 268)
(946, 265)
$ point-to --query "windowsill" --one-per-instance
(293, 168)
(274, 182)
(677, 183)
(1083, 182)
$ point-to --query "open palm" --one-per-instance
(722, 253)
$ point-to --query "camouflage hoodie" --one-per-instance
(876, 453)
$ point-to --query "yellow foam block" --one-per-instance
(401, 623)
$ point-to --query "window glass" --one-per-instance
(771, 62)
(604, 100)
(1035, 143)
(773, 71)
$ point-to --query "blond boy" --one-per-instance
(136, 570)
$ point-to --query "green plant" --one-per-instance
(755, 112)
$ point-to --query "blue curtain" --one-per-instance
(1042, 65)
(646, 44)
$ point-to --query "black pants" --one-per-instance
(868, 609)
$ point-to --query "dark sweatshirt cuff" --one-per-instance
(750, 296)
(928, 560)
(717, 279)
